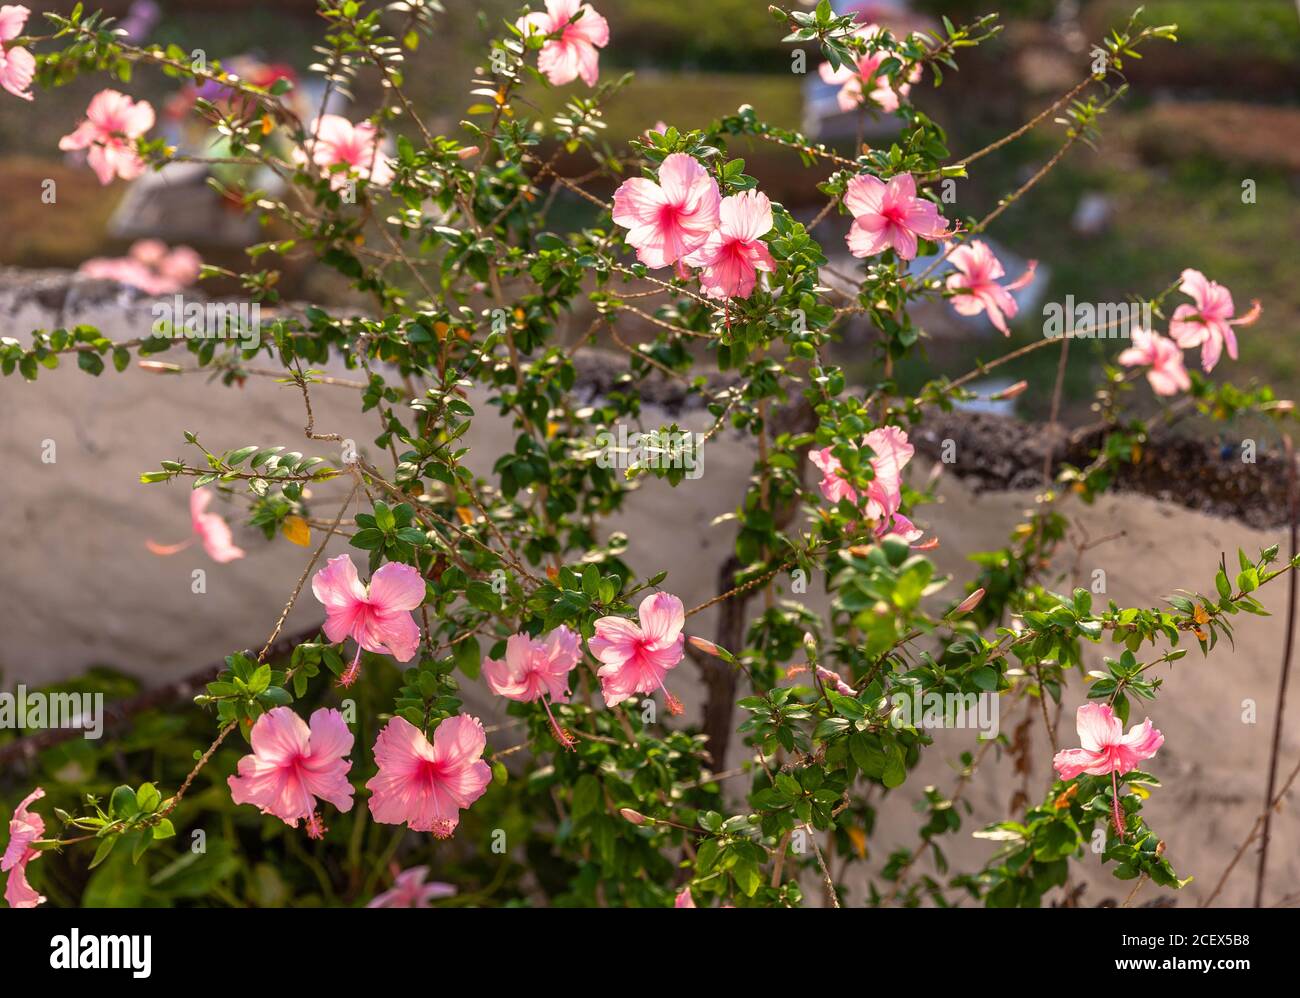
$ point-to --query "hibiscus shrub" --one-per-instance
(513, 582)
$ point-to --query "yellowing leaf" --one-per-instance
(296, 531)
(859, 839)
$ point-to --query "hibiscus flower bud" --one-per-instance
(968, 604)
(1009, 393)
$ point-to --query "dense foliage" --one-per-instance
(516, 581)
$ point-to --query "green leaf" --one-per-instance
(586, 797)
(148, 798)
(123, 803)
(368, 539)
(261, 679)
(747, 877)
(483, 596)
(105, 847)
(895, 770)
(469, 657)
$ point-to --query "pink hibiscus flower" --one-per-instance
(670, 219)
(1208, 324)
(684, 899)
(210, 529)
(976, 288)
(25, 827)
(338, 142)
(853, 80)
(148, 265)
(292, 765)
(534, 669)
(113, 122)
(890, 215)
(890, 454)
(1168, 376)
(574, 53)
(410, 891)
(636, 659)
(734, 252)
(17, 65)
(378, 619)
(424, 785)
(1106, 749)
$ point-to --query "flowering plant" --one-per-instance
(514, 582)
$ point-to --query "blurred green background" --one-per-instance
(1218, 108)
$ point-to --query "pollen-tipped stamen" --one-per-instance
(1116, 813)
(675, 707)
(561, 736)
(352, 672)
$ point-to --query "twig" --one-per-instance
(1287, 646)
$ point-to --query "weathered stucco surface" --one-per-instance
(80, 588)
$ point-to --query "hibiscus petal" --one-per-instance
(337, 586)
(615, 640)
(395, 586)
(863, 195)
(18, 892)
(638, 201)
(901, 188)
(1141, 742)
(458, 741)
(330, 736)
(662, 617)
(1070, 763)
(679, 176)
(280, 736)
(746, 216)
(1098, 726)
(396, 633)
(12, 19)
(17, 73)
(591, 27)
(864, 242)
(1195, 285)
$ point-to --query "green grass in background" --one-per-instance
(1257, 29)
(686, 100)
